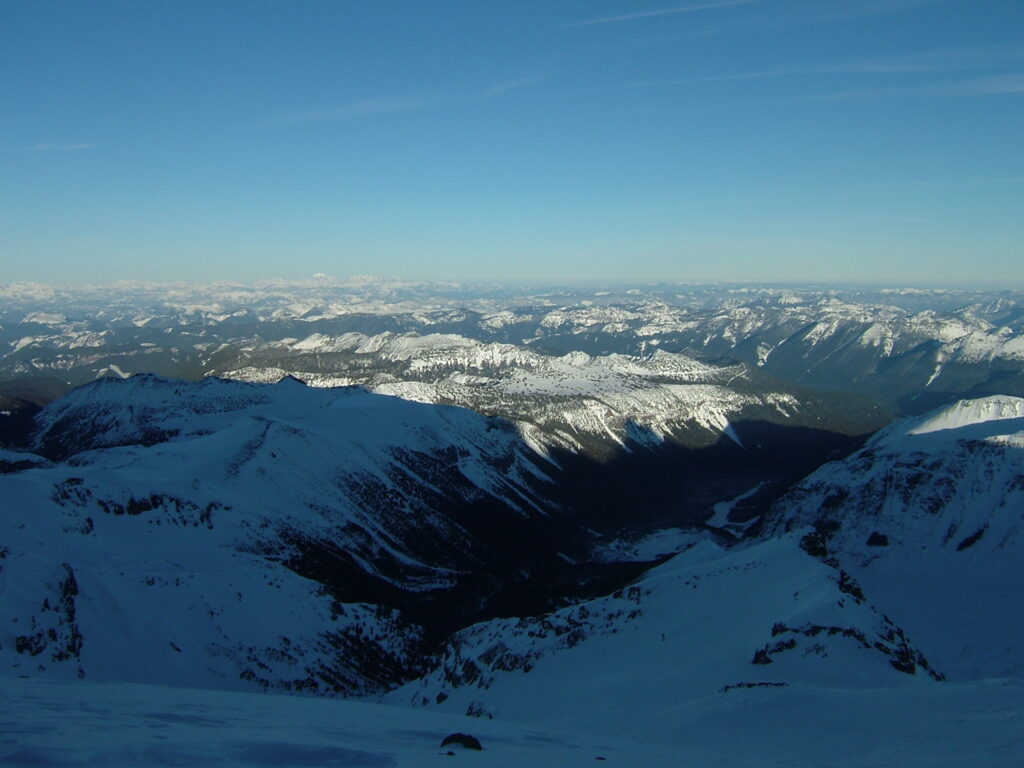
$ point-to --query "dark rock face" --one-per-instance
(971, 540)
(56, 633)
(462, 739)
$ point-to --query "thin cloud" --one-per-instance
(994, 85)
(807, 12)
(65, 147)
(817, 11)
(651, 14)
(937, 61)
(922, 63)
(413, 102)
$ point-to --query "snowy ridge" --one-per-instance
(185, 510)
(930, 515)
(576, 397)
(969, 412)
(573, 401)
(152, 409)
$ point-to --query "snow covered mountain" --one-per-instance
(295, 537)
(574, 402)
(665, 435)
(280, 537)
(891, 569)
(156, 514)
(909, 350)
(929, 516)
(556, 511)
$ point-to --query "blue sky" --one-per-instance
(750, 140)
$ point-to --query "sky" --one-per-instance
(875, 141)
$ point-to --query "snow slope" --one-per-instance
(702, 626)
(228, 535)
(87, 724)
(928, 516)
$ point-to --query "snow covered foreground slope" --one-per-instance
(264, 537)
(929, 517)
(700, 627)
(88, 724)
(85, 724)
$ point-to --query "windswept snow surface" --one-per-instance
(72, 724)
(48, 723)
(988, 411)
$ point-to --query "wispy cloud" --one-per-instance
(947, 60)
(411, 102)
(993, 85)
(775, 16)
(49, 146)
(900, 64)
(654, 13)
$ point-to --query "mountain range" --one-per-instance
(667, 543)
(907, 349)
